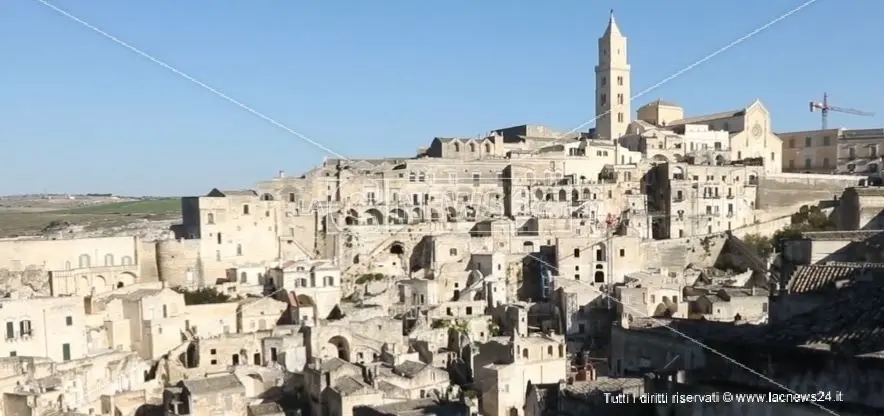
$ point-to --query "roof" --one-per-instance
(819, 278)
(409, 369)
(332, 364)
(862, 134)
(660, 102)
(348, 385)
(868, 190)
(851, 323)
(702, 119)
(856, 235)
(265, 409)
(212, 384)
(215, 192)
(135, 294)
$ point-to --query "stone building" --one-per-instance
(842, 151)
(44, 327)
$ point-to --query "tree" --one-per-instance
(203, 296)
(763, 246)
(807, 219)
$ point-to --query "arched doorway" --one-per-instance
(397, 248)
(342, 345)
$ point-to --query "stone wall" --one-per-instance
(787, 189)
(176, 258)
(147, 262)
(674, 254)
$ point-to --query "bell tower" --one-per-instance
(612, 92)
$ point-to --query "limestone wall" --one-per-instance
(767, 228)
(147, 262)
(17, 255)
(674, 254)
(178, 261)
(787, 189)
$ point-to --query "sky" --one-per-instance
(80, 113)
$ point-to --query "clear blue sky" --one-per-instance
(79, 113)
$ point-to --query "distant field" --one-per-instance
(115, 214)
(148, 206)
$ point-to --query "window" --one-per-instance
(807, 162)
(477, 179)
(245, 209)
(218, 238)
(773, 156)
(291, 197)
(69, 320)
(217, 255)
(604, 81)
(10, 330)
(851, 153)
(13, 354)
(166, 310)
(108, 259)
(412, 177)
(808, 141)
(825, 162)
(473, 147)
(826, 141)
(620, 81)
(25, 327)
(792, 143)
(65, 352)
(791, 164)
(85, 261)
(452, 252)
(576, 252)
(603, 99)
(239, 249)
(210, 218)
(620, 99)
(619, 117)
(622, 252)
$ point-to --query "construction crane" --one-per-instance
(824, 109)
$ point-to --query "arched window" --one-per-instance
(85, 261)
(108, 259)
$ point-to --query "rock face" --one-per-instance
(31, 282)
